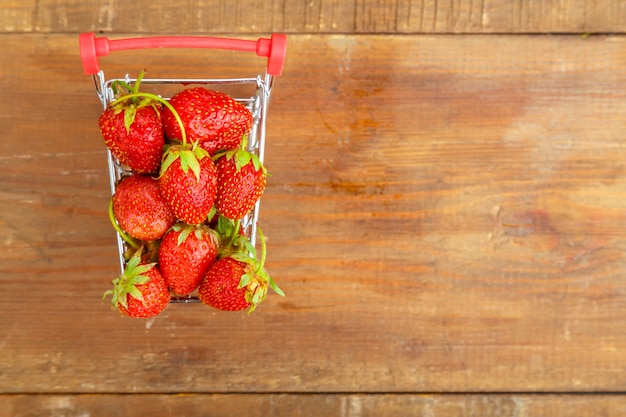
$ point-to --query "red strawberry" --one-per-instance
(188, 183)
(241, 180)
(139, 208)
(185, 254)
(133, 130)
(213, 119)
(236, 282)
(140, 291)
(220, 288)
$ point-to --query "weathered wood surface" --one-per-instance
(322, 405)
(445, 214)
(294, 16)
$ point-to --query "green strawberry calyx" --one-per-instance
(231, 238)
(132, 101)
(129, 88)
(189, 156)
(199, 231)
(241, 157)
(255, 279)
(126, 284)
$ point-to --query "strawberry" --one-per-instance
(132, 129)
(220, 288)
(185, 254)
(211, 118)
(188, 178)
(236, 282)
(188, 182)
(241, 179)
(140, 209)
(140, 291)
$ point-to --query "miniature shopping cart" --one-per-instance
(256, 98)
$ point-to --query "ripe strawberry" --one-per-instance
(211, 118)
(236, 282)
(133, 130)
(241, 179)
(220, 288)
(188, 182)
(185, 254)
(140, 291)
(139, 208)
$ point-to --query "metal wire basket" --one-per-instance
(253, 92)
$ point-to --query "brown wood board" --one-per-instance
(445, 214)
(310, 405)
(362, 16)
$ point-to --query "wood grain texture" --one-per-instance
(445, 214)
(322, 405)
(336, 16)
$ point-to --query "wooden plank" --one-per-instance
(445, 214)
(307, 405)
(291, 16)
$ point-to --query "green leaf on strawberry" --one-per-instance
(140, 291)
(126, 284)
(242, 157)
(258, 265)
(129, 117)
(232, 238)
(189, 156)
(237, 281)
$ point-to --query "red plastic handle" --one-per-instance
(91, 47)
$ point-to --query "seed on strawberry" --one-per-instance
(212, 119)
(140, 291)
(140, 209)
(241, 180)
(185, 254)
(237, 282)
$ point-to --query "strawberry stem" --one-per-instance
(119, 230)
(135, 88)
(262, 239)
(162, 101)
(260, 267)
(235, 234)
(118, 83)
(130, 89)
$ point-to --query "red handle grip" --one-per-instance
(91, 47)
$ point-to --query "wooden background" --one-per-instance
(446, 213)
